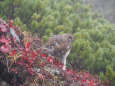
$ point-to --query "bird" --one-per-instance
(59, 46)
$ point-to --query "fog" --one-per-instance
(104, 7)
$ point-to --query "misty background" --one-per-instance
(105, 7)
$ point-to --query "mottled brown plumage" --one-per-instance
(59, 46)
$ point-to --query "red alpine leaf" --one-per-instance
(13, 52)
(43, 55)
(3, 28)
(92, 83)
(50, 59)
(3, 39)
(5, 48)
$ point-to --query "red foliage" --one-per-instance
(30, 62)
(13, 52)
(4, 39)
(5, 48)
(50, 59)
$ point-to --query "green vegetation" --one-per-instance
(94, 46)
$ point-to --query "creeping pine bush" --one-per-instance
(34, 66)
